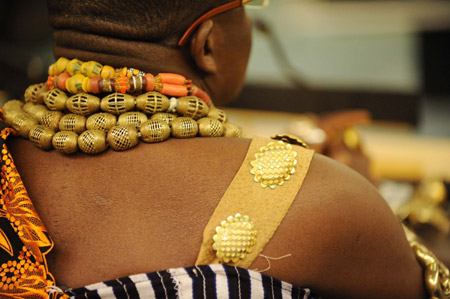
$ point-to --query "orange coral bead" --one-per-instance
(171, 78)
(61, 81)
(174, 90)
(149, 82)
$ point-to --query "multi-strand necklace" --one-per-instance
(65, 113)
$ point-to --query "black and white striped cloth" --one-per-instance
(212, 281)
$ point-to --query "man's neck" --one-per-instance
(148, 57)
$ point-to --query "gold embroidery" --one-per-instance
(234, 238)
(274, 164)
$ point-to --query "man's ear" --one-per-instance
(202, 47)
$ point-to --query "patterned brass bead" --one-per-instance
(155, 130)
(51, 119)
(55, 99)
(92, 141)
(23, 123)
(42, 137)
(218, 114)
(133, 118)
(35, 93)
(184, 127)
(231, 130)
(65, 142)
(210, 127)
(152, 102)
(121, 138)
(234, 238)
(10, 115)
(13, 105)
(101, 121)
(167, 117)
(83, 104)
(73, 122)
(274, 164)
(117, 103)
(192, 107)
(35, 110)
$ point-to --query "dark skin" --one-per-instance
(144, 210)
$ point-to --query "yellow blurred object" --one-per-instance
(425, 207)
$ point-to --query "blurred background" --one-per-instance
(364, 82)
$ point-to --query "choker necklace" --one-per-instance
(54, 117)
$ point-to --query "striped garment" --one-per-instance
(213, 281)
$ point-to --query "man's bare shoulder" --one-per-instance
(345, 240)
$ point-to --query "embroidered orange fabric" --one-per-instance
(24, 240)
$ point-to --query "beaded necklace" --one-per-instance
(70, 119)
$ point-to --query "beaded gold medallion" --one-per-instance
(234, 238)
(274, 164)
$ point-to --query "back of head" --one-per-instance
(158, 21)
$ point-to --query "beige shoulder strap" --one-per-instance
(266, 207)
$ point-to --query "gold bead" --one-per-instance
(65, 142)
(83, 104)
(73, 122)
(23, 123)
(92, 141)
(184, 127)
(118, 103)
(55, 99)
(152, 102)
(133, 118)
(12, 105)
(231, 130)
(35, 110)
(210, 127)
(191, 106)
(51, 119)
(155, 130)
(274, 164)
(121, 138)
(227, 242)
(167, 117)
(101, 121)
(35, 93)
(41, 137)
(218, 114)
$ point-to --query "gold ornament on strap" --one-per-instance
(274, 164)
(234, 238)
(291, 139)
(437, 276)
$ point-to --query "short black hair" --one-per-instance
(159, 21)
